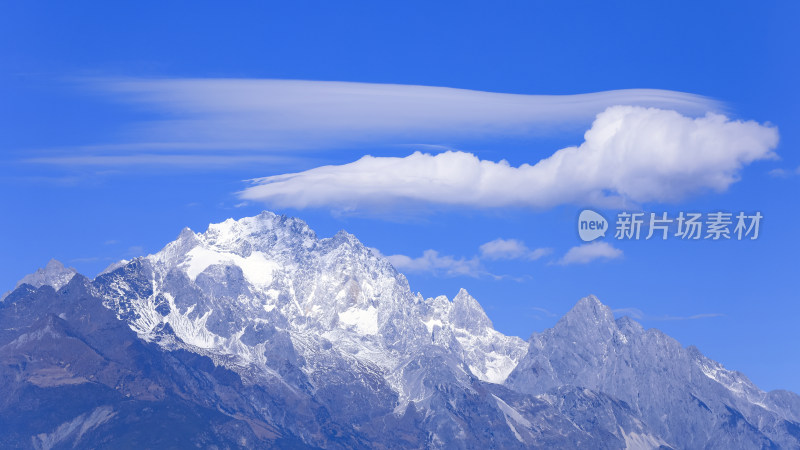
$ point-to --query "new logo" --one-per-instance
(591, 225)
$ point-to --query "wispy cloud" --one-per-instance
(291, 114)
(89, 259)
(586, 253)
(433, 263)
(638, 314)
(629, 154)
(511, 249)
(539, 313)
(159, 160)
(784, 173)
(219, 123)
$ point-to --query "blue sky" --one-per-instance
(123, 124)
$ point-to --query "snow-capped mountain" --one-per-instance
(266, 335)
(221, 290)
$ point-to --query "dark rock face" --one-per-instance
(75, 375)
(256, 334)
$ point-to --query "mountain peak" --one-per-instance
(629, 326)
(589, 310)
(467, 312)
(52, 274)
(264, 227)
(591, 305)
(54, 264)
(186, 233)
(343, 236)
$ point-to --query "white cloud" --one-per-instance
(540, 312)
(630, 153)
(511, 249)
(586, 253)
(633, 313)
(290, 114)
(433, 263)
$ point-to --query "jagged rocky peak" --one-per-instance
(674, 389)
(251, 243)
(262, 232)
(463, 312)
(629, 326)
(590, 306)
(463, 327)
(342, 236)
(53, 274)
(266, 229)
(467, 313)
(589, 311)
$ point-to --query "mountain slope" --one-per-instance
(333, 298)
(258, 333)
(76, 376)
(690, 400)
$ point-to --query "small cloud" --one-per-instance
(539, 253)
(84, 260)
(432, 262)
(586, 253)
(542, 312)
(634, 313)
(638, 314)
(111, 242)
(90, 259)
(692, 317)
(241, 204)
(511, 249)
(376, 252)
(784, 173)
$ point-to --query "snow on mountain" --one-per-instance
(489, 354)
(330, 346)
(334, 298)
(53, 274)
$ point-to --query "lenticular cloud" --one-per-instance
(630, 153)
